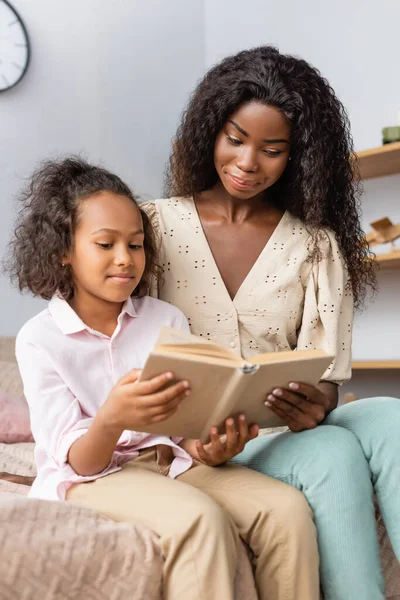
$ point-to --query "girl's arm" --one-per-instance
(93, 452)
(130, 405)
(87, 443)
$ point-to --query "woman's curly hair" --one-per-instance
(44, 232)
(321, 183)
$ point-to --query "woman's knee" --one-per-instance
(371, 414)
(333, 453)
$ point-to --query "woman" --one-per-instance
(263, 251)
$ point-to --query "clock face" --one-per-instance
(14, 47)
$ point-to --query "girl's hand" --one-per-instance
(132, 404)
(301, 407)
(222, 448)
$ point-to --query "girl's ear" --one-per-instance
(65, 260)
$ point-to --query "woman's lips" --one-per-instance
(241, 184)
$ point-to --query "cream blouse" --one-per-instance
(285, 302)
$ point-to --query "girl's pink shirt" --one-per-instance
(68, 371)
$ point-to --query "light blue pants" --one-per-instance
(337, 466)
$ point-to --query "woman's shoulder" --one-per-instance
(323, 236)
(165, 207)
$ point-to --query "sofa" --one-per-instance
(58, 551)
(82, 554)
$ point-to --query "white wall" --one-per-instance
(355, 45)
(107, 79)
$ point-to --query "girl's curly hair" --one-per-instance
(47, 218)
(320, 185)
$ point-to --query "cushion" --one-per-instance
(10, 379)
(14, 419)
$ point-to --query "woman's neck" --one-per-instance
(233, 210)
(96, 313)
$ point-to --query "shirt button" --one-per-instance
(232, 344)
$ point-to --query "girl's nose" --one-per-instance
(123, 257)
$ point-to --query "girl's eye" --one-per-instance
(272, 152)
(135, 246)
(105, 246)
(234, 141)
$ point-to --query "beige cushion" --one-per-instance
(10, 379)
(7, 349)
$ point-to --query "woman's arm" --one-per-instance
(326, 324)
(331, 392)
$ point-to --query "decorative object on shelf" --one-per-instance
(392, 134)
(384, 231)
(14, 47)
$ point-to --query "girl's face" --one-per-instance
(107, 259)
(252, 150)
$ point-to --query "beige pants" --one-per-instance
(199, 518)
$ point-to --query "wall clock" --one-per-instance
(14, 47)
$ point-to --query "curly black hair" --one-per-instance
(321, 184)
(47, 218)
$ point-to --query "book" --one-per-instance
(223, 384)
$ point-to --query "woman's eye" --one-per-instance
(233, 141)
(272, 152)
(104, 246)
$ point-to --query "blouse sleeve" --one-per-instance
(57, 420)
(56, 417)
(328, 311)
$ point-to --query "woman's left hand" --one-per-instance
(222, 448)
(301, 407)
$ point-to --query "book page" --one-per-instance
(286, 356)
(199, 350)
(193, 344)
(180, 352)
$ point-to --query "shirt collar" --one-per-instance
(69, 322)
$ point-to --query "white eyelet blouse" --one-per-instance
(285, 302)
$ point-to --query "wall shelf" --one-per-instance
(389, 260)
(378, 162)
(359, 365)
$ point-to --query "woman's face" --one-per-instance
(252, 149)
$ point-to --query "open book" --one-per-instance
(223, 384)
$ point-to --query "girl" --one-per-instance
(82, 243)
(263, 251)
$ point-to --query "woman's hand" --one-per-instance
(222, 448)
(302, 406)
